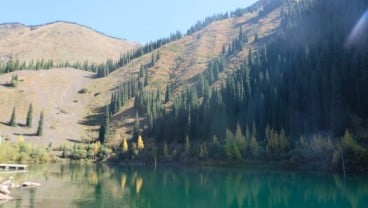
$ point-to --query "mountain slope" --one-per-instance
(179, 66)
(59, 41)
(181, 62)
(55, 92)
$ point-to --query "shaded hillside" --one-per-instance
(179, 64)
(59, 41)
(285, 81)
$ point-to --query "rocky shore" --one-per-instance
(7, 185)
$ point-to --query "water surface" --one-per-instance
(65, 185)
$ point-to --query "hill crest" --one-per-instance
(60, 41)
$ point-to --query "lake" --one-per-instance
(70, 185)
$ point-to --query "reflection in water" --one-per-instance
(32, 194)
(123, 181)
(103, 186)
(138, 185)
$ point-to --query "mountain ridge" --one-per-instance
(59, 21)
(60, 41)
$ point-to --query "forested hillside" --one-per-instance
(299, 95)
(282, 80)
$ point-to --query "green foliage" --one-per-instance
(104, 127)
(277, 143)
(12, 121)
(165, 150)
(232, 146)
(203, 152)
(295, 85)
(29, 118)
(136, 130)
(187, 145)
(83, 91)
(254, 147)
(351, 148)
(40, 125)
(316, 145)
(208, 20)
(21, 151)
(14, 81)
(167, 93)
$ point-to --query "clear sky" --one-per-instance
(135, 20)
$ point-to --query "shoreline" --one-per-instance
(251, 164)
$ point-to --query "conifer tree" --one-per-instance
(146, 79)
(105, 126)
(40, 125)
(187, 145)
(12, 121)
(166, 150)
(167, 93)
(136, 130)
(29, 116)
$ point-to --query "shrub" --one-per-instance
(83, 91)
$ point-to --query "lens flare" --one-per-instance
(358, 31)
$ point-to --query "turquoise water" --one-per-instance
(106, 186)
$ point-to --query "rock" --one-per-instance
(30, 184)
(4, 189)
(4, 197)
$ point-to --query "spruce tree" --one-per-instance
(12, 121)
(29, 116)
(40, 125)
(146, 79)
(187, 145)
(104, 129)
(168, 93)
(136, 130)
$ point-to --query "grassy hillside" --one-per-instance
(70, 115)
(55, 92)
(181, 62)
(59, 41)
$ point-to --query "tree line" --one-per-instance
(292, 98)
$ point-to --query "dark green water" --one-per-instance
(104, 186)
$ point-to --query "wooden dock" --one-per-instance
(8, 167)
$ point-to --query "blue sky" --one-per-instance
(135, 20)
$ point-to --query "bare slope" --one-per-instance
(55, 92)
(59, 41)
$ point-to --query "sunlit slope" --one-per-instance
(59, 41)
(181, 61)
(55, 92)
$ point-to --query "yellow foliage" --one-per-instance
(94, 177)
(96, 147)
(124, 147)
(20, 139)
(138, 185)
(140, 143)
(349, 143)
(123, 181)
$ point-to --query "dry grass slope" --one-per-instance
(56, 91)
(182, 60)
(53, 91)
(59, 41)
